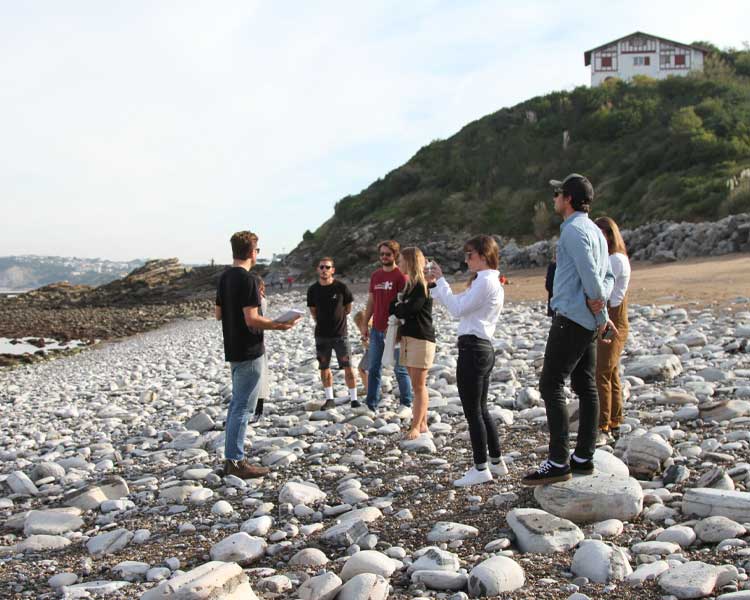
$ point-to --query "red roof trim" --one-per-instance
(587, 54)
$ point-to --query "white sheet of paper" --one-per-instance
(289, 315)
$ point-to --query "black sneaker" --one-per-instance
(356, 404)
(328, 405)
(581, 468)
(547, 473)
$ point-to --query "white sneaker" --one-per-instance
(500, 469)
(473, 477)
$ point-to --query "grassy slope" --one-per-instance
(653, 149)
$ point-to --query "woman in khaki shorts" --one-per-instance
(414, 308)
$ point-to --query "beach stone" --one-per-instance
(539, 532)
(692, 579)
(422, 445)
(365, 586)
(446, 531)
(660, 367)
(42, 543)
(608, 528)
(212, 580)
(606, 463)
(647, 572)
(222, 508)
(440, 580)
(716, 478)
(92, 495)
(259, 526)
(724, 410)
(344, 533)
(240, 548)
(179, 494)
(52, 522)
(708, 502)
(200, 422)
(61, 579)
(301, 493)
(600, 562)
(276, 584)
(717, 529)
(494, 576)
(368, 561)
(47, 469)
(97, 588)
(677, 534)
(130, 570)
(109, 542)
(368, 514)
(592, 498)
(20, 484)
(435, 559)
(309, 557)
(320, 587)
(645, 454)
(655, 548)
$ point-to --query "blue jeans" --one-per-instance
(377, 346)
(245, 390)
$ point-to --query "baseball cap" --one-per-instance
(577, 187)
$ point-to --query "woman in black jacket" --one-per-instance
(414, 308)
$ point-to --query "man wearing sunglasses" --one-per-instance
(582, 284)
(385, 284)
(330, 301)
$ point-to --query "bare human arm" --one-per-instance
(217, 312)
(348, 308)
(254, 320)
(314, 313)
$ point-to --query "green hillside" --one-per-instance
(653, 149)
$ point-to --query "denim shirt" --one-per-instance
(582, 272)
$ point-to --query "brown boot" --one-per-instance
(243, 469)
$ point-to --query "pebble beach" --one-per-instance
(110, 481)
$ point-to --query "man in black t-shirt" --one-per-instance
(330, 302)
(238, 301)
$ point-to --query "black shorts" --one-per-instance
(324, 347)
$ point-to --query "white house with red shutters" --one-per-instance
(642, 54)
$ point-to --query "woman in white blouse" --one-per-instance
(608, 355)
(477, 309)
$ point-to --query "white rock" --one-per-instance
(647, 572)
(320, 587)
(61, 579)
(440, 580)
(41, 543)
(495, 576)
(600, 562)
(368, 561)
(538, 531)
(608, 528)
(677, 534)
(240, 548)
(259, 526)
(214, 580)
(645, 454)
(301, 493)
(20, 483)
(661, 367)
(446, 531)
(592, 498)
(718, 529)
(309, 557)
(366, 586)
(708, 502)
(109, 542)
(52, 522)
(222, 508)
(435, 559)
(130, 570)
(692, 579)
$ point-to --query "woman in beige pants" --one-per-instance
(608, 355)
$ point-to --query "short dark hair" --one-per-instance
(243, 244)
(486, 246)
(392, 245)
(580, 191)
(327, 258)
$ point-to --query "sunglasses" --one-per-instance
(326, 267)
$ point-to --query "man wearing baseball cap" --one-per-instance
(582, 284)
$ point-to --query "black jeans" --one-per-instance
(570, 352)
(475, 361)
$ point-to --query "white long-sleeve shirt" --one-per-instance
(477, 308)
(621, 268)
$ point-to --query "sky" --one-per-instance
(157, 128)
